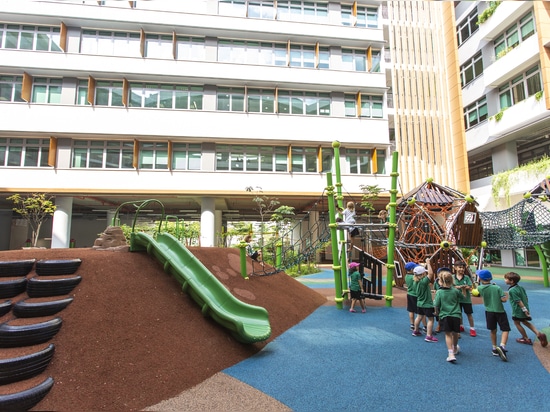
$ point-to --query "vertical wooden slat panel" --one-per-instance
(276, 100)
(170, 151)
(319, 159)
(369, 59)
(289, 158)
(358, 103)
(52, 155)
(374, 161)
(26, 87)
(288, 53)
(91, 90)
(135, 159)
(63, 37)
(174, 45)
(316, 55)
(125, 91)
(142, 42)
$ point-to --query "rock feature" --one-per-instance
(112, 239)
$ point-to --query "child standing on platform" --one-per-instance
(447, 306)
(355, 287)
(424, 278)
(493, 298)
(520, 310)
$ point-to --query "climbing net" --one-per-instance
(523, 225)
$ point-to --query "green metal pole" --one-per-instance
(390, 266)
(243, 245)
(334, 242)
(278, 254)
(340, 201)
(544, 264)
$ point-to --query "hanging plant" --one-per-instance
(488, 12)
(503, 181)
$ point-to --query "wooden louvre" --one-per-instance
(91, 90)
(63, 37)
(142, 42)
(135, 158)
(374, 161)
(369, 59)
(174, 45)
(125, 91)
(52, 155)
(170, 149)
(358, 103)
(26, 87)
(289, 157)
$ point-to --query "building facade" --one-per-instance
(504, 76)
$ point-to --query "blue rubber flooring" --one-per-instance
(337, 360)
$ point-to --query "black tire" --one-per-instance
(39, 288)
(23, 309)
(12, 336)
(5, 307)
(16, 267)
(27, 399)
(57, 267)
(26, 366)
(11, 288)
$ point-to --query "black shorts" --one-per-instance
(355, 294)
(529, 318)
(254, 255)
(428, 312)
(450, 324)
(411, 304)
(497, 318)
(467, 308)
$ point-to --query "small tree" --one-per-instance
(370, 194)
(34, 208)
(264, 205)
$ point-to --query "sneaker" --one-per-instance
(424, 329)
(495, 352)
(462, 328)
(473, 333)
(352, 310)
(363, 310)
(543, 339)
(457, 350)
(524, 341)
(502, 353)
(431, 339)
(412, 326)
(451, 358)
(416, 333)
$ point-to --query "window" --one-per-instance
(302, 56)
(467, 27)
(480, 165)
(304, 159)
(305, 11)
(232, 8)
(82, 93)
(251, 158)
(190, 48)
(110, 43)
(309, 103)
(261, 9)
(46, 90)
(249, 52)
(354, 60)
(471, 69)
(359, 161)
(230, 99)
(186, 156)
(520, 87)
(24, 152)
(375, 61)
(533, 149)
(519, 32)
(475, 113)
(260, 101)
(14, 36)
(166, 96)
(153, 155)
(365, 17)
(350, 104)
(327, 153)
(324, 58)
(159, 46)
(102, 154)
(10, 88)
(372, 106)
(108, 93)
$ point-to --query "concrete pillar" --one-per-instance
(61, 224)
(208, 207)
(218, 228)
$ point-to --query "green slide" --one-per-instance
(247, 323)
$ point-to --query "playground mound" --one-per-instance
(132, 338)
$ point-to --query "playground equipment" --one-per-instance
(247, 323)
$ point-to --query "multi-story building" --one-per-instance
(191, 102)
(505, 78)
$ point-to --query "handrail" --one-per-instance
(139, 208)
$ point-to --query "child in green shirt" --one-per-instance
(520, 310)
(355, 287)
(493, 298)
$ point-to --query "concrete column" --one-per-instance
(208, 207)
(218, 228)
(61, 224)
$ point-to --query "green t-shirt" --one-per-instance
(448, 301)
(355, 278)
(424, 293)
(492, 295)
(411, 284)
(516, 294)
(464, 281)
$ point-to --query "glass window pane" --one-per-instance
(31, 156)
(14, 155)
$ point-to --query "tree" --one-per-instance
(34, 208)
(370, 194)
(264, 205)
